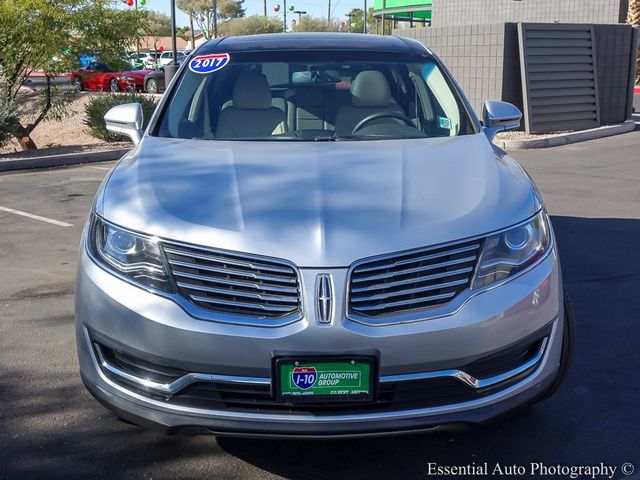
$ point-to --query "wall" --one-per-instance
(467, 12)
(475, 54)
(614, 48)
(485, 60)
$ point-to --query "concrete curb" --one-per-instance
(60, 160)
(567, 138)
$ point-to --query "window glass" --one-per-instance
(312, 96)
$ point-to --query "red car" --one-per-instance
(97, 76)
(133, 80)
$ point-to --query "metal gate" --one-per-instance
(559, 77)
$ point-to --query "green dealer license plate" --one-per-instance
(324, 380)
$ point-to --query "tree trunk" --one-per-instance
(23, 135)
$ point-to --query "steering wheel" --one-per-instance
(376, 116)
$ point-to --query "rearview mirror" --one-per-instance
(126, 119)
(498, 117)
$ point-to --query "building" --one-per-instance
(151, 43)
(567, 64)
(415, 12)
(442, 13)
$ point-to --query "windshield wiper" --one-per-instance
(325, 138)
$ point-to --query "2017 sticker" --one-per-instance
(209, 63)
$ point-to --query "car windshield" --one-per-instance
(313, 96)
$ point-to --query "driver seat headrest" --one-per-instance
(251, 91)
(370, 89)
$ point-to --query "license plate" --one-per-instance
(324, 380)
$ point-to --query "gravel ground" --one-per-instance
(66, 136)
(520, 135)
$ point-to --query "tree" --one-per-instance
(8, 121)
(48, 35)
(183, 32)
(633, 18)
(355, 22)
(252, 25)
(373, 26)
(308, 23)
(206, 17)
(155, 24)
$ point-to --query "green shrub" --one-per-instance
(100, 104)
(8, 121)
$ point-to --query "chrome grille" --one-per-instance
(234, 283)
(411, 280)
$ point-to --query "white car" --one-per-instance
(167, 57)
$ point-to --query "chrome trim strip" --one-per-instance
(460, 375)
(179, 383)
(470, 380)
(265, 297)
(236, 282)
(363, 416)
(429, 256)
(230, 271)
(229, 259)
(399, 283)
(400, 303)
(237, 303)
(409, 291)
(425, 268)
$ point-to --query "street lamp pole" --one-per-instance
(171, 68)
(365, 18)
(215, 19)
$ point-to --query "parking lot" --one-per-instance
(52, 428)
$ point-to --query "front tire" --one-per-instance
(77, 85)
(113, 85)
(152, 86)
(568, 346)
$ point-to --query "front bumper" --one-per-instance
(152, 327)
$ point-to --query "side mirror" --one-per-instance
(126, 119)
(498, 117)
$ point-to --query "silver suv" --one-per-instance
(315, 236)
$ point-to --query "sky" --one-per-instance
(317, 8)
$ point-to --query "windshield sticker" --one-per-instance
(209, 63)
(444, 122)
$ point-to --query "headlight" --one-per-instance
(511, 251)
(128, 78)
(138, 258)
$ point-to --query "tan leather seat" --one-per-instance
(251, 114)
(370, 94)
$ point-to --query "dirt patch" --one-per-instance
(69, 133)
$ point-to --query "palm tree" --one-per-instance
(633, 18)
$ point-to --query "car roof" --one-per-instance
(312, 41)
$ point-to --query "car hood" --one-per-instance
(318, 204)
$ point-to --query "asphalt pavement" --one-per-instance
(50, 427)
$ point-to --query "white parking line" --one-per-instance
(36, 217)
(101, 168)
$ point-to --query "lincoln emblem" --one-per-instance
(324, 298)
